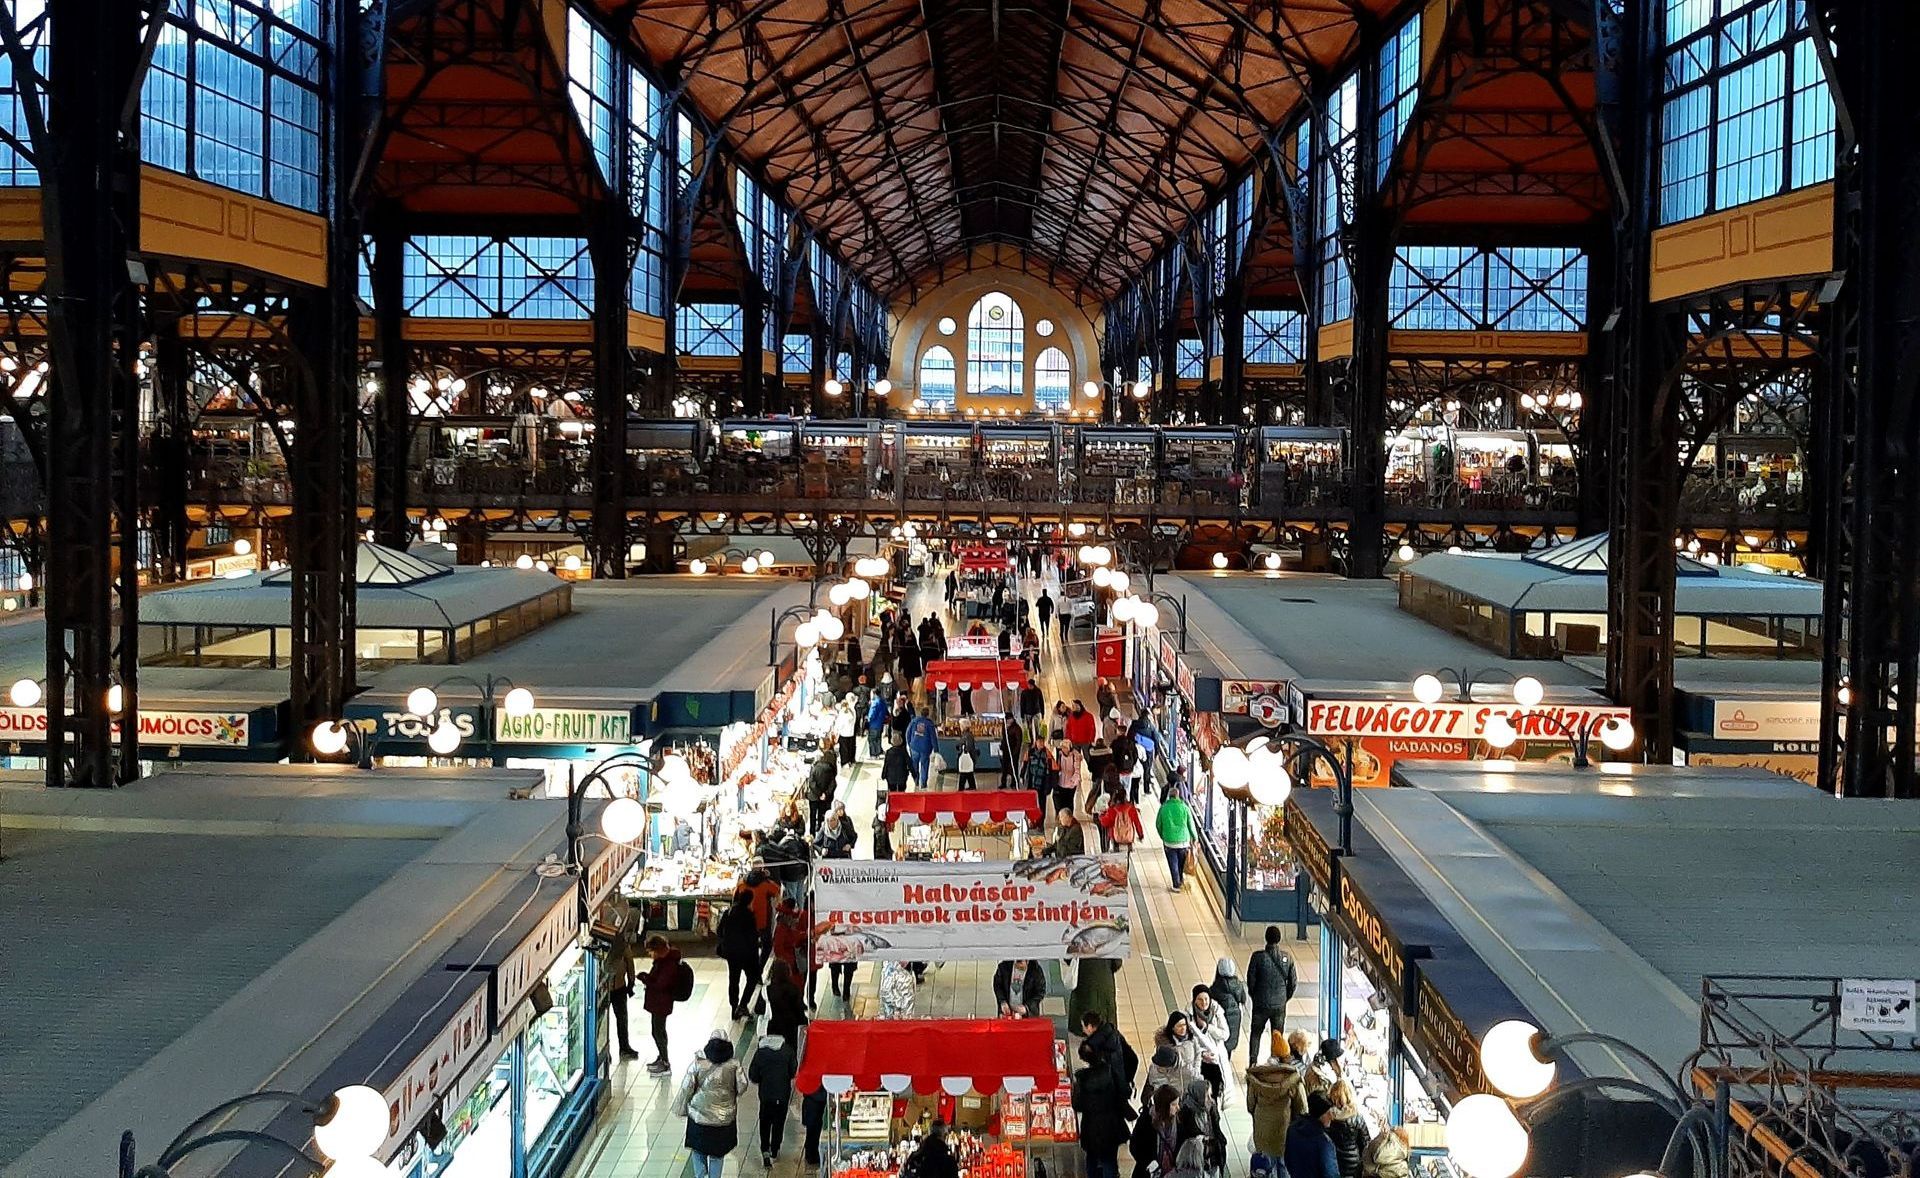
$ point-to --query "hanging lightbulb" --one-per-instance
(519, 702)
(422, 701)
(1617, 734)
(1499, 732)
(25, 693)
(329, 738)
(1527, 691)
(623, 820)
(444, 738)
(1426, 689)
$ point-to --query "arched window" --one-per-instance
(996, 360)
(1052, 381)
(936, 378)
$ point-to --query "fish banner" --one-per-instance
(1044, 909)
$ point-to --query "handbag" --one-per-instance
(965, 763)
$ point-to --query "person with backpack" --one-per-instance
(771, 1073)
(709, 1097)
(922, 738)
(1120, 820)
(1271, 981)
(670, 981)
(966, 757)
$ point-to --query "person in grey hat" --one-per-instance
(1231, 994)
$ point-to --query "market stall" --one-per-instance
(1116, 465)
(993, 684)
(1019, 463)
(840, 459)
(1200, 466)
(1302, 466)
(946, 820)
(1001, 1085)
(936, 457)
(1491, 467)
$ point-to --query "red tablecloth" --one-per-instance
(969, 807)
(984, 674)
(927, 1056)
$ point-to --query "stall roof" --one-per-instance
(621, 642)
(154, 996)
(1573, 579)
(23, 655)
(1602, 897)
(928, 1056)
(1326, 627)
(395, 591)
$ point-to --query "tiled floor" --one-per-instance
(1180, 937)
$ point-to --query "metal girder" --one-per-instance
(167, 448)
(392, 411)
(89, 172)
(1872, 526)
(611, 361)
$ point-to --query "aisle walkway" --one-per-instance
(1179, 937)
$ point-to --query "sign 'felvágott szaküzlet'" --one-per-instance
(564, 726)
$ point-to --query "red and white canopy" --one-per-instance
(925, 1056)
(982, 558)
(977, 674)
(970, 807)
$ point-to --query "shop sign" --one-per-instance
(517, 974)
(763, 693)
(1209, 732)
(409, 1096)
(1785, 720)
(1268, 710)
(1238, 695)
(1448, 1040)
(1459, 721)
(1315, 856)
(226, 730)
(607, 871)
(1801, 761)
(397, 723)
(1043, 909)
(1368, 930)
(1370, 760)
(565, 726)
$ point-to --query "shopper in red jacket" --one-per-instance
(1082, 728)
(670, 981)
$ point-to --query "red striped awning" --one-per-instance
(966, 807)
(977, 674)
(929, 1056)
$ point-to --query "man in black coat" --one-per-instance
(896, 770)
(1271, 980)
(1023, 1001)
(1100, 1100)
(1104, 1043)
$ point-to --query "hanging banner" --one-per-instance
(1042, 909)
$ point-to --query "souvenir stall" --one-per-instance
(1001, 1086)
(667, 457)
(1116, 465)
(839, 459)
(1019, 463)
(757, 456)
(993, 684)
(1200, 466)
(935, 457)
(943, 824)
(1492, 467)
(980, 567)
(1419, 465)
(1302, 466)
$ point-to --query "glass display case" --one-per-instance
(556, 1045)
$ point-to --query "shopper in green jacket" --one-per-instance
(1175, 825)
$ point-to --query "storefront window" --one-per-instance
(556, 1045)
(479, 1140)
(1270, 865)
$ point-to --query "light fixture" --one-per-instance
(834, 388)
(25, 693)
(444, 738)
(623, 820)
(1269, 783)
(1510, 1062)
(1119, 581)
(1142, 391)
(1091, 389)
(519, 702)
(1146, 615)
(1484, 1138)
(807, 635)
(1231, 768)
(882, 387)
(571, 564)
(1103, 576)
(858, 590)
(1122, 610)
(1406, 552)
(422, 701)
(750, 566)
(354, 1125)
(542, 566)
(1076, 530)
(697, 567)
(328, 738)
(26, 582)
(838, 595)
(832, 629)
(1454, 550)
(1272, 560)
(523, 561)
(1617, 734)
(766, 559)
(242, 547)
(1220, 560)
(1499, 732)
(116, 698)
(1527, 691)
(1426, 689)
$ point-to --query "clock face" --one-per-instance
(996, 313)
